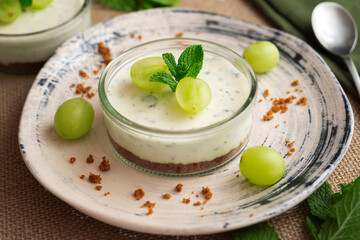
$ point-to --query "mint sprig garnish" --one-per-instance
(189, 65)
(134, 5)
(25, 3)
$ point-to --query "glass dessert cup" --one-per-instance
(179, 151)
(26, 53)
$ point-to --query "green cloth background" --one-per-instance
(294, 16)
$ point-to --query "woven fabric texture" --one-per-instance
(28, 211)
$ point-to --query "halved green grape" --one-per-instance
(40, 4)
(193, 94)
(142, 70)
(9, 10)
(262, 56)
(262, 165)
(73, 119)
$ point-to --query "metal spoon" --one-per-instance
(336, 31)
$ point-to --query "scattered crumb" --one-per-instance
(139, 193)
(107, 193)
(284, 121)
(90, 159)
(132, 35)
(84, 74)
(266, 92)
(260, 100)
(202, 216)
(83, 90)
(166, 196)
(148, 204)
(207, 193)
(150, 211)
(296, 89)
(290, 145)
(178, 187)
(289, 153)
(301, 91)
(237, 175)
(292, 150)
(302, 100)
(251, 215)
(96, 71)
(202, 208)
(140, 37)
(288, 92)
(105, 52)
(93, 178)
(192, 192)
(198, 33)
(276, 126)
(204, 202)
(186, 200)
(72, 160)
(197, 195)
(197, 203)
(98, 187)
(180, 34)
(82, 176)
(104, 165)
(224, 212)
(295, 83)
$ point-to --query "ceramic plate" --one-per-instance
(322, 130)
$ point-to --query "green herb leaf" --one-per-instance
(133, 5)
(189, 65)
(260, 231)
(169, 59)
(345, 225)
(314, 224)
(166, 2)
(122, 5)
(164, 77)
(25, 3)
(190, 61)
(320, 202)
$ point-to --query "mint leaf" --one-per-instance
(169, 59)
(166, 2)
(190, 61)
(164, 77)
(345, 225)
(25, 3)
(260, 231)
(122, 5)
(189, 65)
(320, 202)
(314, 224)
(133, 5)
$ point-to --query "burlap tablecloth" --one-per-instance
(28, 211)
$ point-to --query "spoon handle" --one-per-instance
(355, 75)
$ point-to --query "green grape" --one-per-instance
(262, 165)
(262, 56)
(9, 10)
(193, 94)
(73, 119)
(40, 4)
(142, 70)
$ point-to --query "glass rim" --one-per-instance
(78, 13)
(111, 111)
